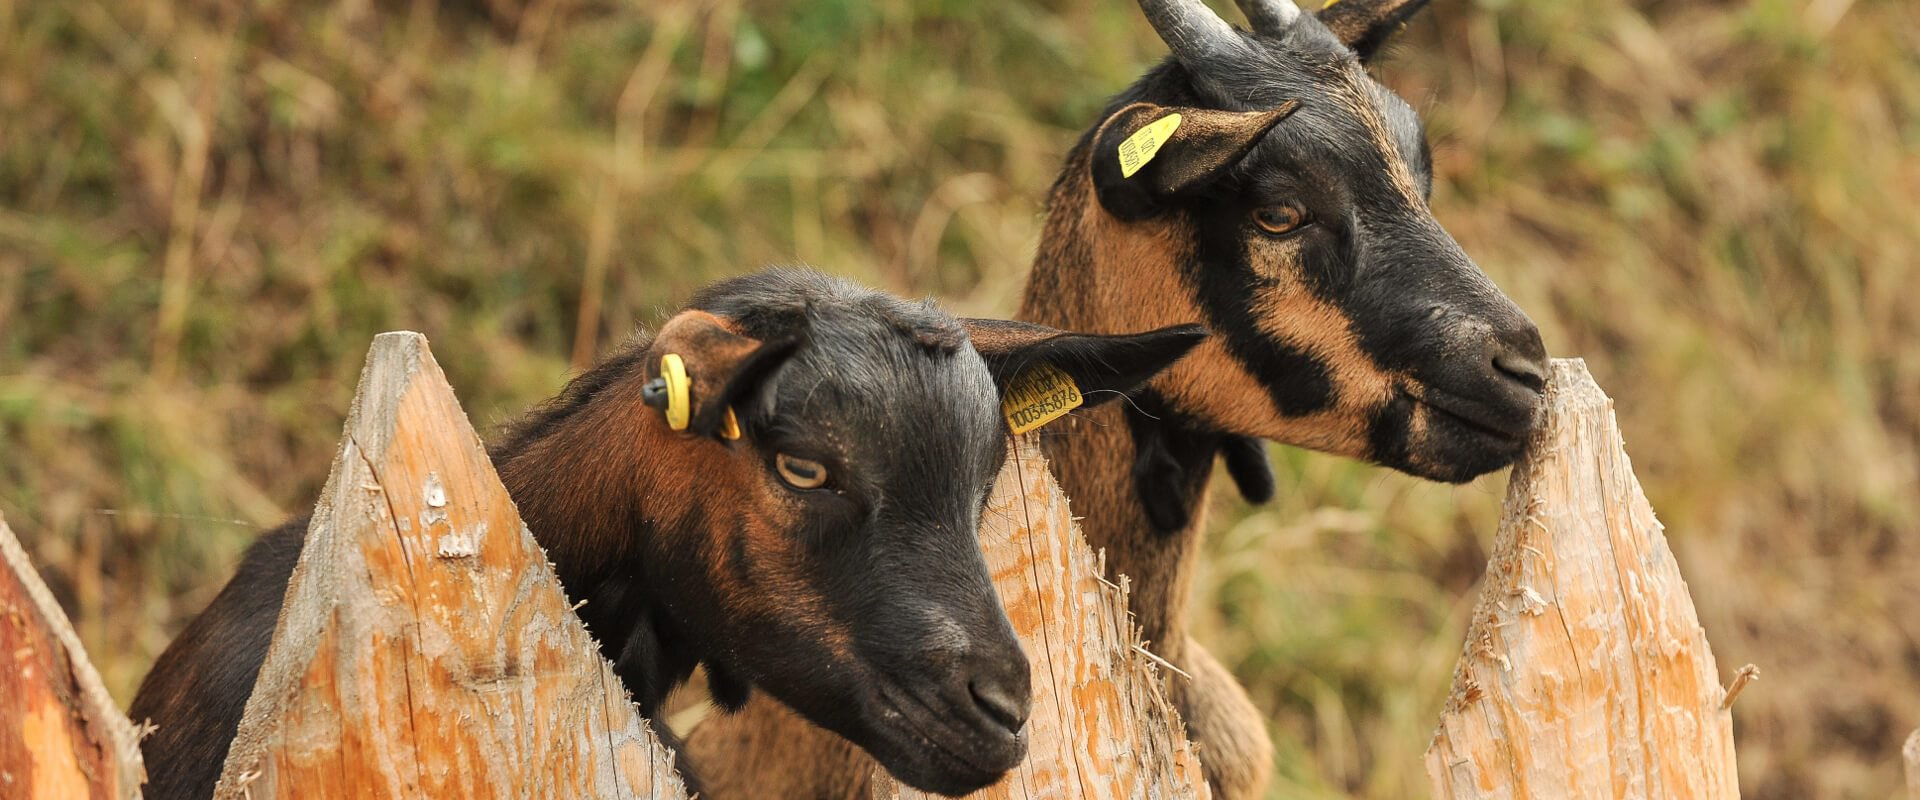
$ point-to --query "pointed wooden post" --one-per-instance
(425, 648)
(1101, 726)
(61, 736)
(1586, 672)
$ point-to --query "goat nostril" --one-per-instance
(1528, 371)
(1003, 705)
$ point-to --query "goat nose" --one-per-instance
(1520, 356)
(1004, 693)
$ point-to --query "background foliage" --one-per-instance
(207, 208)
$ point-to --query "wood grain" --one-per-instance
(426, 649)
(61, 736)
(1585, 673)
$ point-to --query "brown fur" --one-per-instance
(1088, 264)
(1112, 260)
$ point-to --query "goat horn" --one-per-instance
(1192, 31)
(1269, 17)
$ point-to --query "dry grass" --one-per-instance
(207, 208)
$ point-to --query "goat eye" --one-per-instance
(1280, 220)
(800, 473)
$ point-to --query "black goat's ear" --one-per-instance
(1145, 153)
(1365, 25)
(721, 369)
(1102, 366)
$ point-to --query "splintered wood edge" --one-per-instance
(1572, 398)
(101, 714)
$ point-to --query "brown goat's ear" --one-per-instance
(1102, 367)
(1145, 153)
(1365, 25)
(722, 367)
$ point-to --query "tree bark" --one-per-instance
(425, 648)
(61, 736)
(1585, 672)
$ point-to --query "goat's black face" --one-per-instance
(1292, 203)
(844, 574)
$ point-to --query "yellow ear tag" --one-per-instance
(1041, 394)
(1141, 147)
(678, 409)
(730, 426)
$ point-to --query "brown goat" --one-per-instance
(1287, 210)
(798, 516)
(1285, 207)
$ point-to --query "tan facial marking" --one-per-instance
(1147, 292)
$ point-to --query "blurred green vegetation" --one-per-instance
(208, 207)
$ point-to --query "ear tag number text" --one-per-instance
(1141, 147)
(1041, 394)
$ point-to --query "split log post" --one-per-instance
(61, 736)
(425, 648)
(1585, 672)
(1101, 725)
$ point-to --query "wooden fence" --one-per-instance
(61, 736)
(426, 649)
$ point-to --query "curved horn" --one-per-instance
(1192, 31)
(1269, 17)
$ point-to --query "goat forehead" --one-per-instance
(884, 401)
(1340, 102)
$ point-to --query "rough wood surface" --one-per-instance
(426, 649)
(1101, 725)
(61, 736)
(1911, 755)
(1586, 672)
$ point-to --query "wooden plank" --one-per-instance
(1586, 672)
(426, 649)
(1101, 725)
(61, 736)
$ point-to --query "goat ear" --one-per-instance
(1365, 25)
(1103, 367)
(722, 367)
(1143, 154)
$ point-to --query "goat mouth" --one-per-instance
(949, 762)
(1471, 417)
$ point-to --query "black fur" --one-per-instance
(1172, 453)
(1417, 304)
(896, 638)
(1247, 465)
